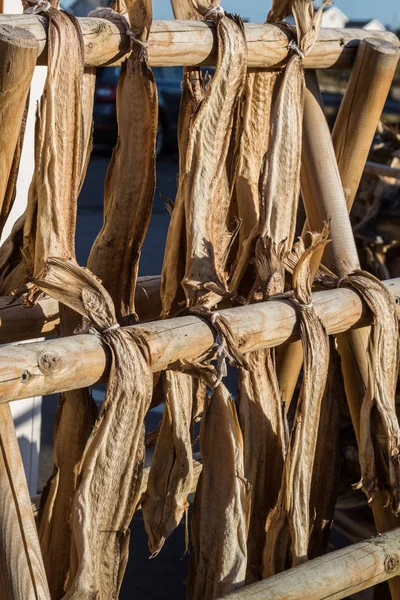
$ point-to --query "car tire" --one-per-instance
(160, 139)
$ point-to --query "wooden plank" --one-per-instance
(177, 43)
(337, 575)
(22, 575)
(361, 109)
(52, 366)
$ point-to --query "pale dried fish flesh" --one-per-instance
(222, 503)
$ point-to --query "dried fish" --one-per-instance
(173, 270)
(261, 419)
(326, 470)
(110, 472)
(206, 206)
(222, 504)
(379, 442)
(58, 163)
(289, 525)
(171, 473)
(129, 192)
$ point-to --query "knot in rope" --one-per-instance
(37, 6)
(215, 13)
(293, 46)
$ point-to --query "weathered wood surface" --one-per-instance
(56, 365)
(22, 575)
(336, 575)
(176, 43)
(19, 322)
(372, 168)
(18, 54)
(361, 109)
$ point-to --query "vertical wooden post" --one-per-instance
(361, 109)
(22, 575)
(324, 198)
(18, 54)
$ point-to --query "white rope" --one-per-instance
(111, 328)
(37, 6)
(118, 19)
(215, 13)
(293, 46)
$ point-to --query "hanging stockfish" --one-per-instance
(379, 439)
(173, 269)
(59, 155)
(289, 525)
(221, 507)
(171, 473)
(208, 192)
(326, 470)
(110, 472)
(131, 176)
(200, 125)
(258, 93)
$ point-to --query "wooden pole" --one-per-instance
(22, 575)
(361, 109)
(18, 54)
(19, 322)
(339, 574)
(56, 365)
(324, 199)
(186, 43)
(379, 170)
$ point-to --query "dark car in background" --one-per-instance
(168, 80)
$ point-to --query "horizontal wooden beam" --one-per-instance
(19, 323)
(42, 368)
(177, 43)
(336, 575)
(372, 168)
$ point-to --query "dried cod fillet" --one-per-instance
(173, 269)
(260, 413)
(59, 153)
(326, 471)
(206, 207)
(110, 472)
(288, 527)
(171, 473)
(280, 178)
(221, 507)
(258, 92)
(129, 192)
(379, 445)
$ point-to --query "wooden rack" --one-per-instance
(56, 365)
